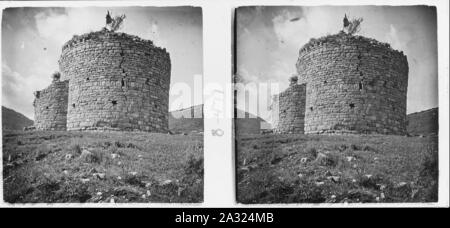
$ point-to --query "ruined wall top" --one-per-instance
(344, 38)
(51, 88)
(105, 34)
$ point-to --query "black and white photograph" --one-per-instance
(98, 104)
(336, 104)
(224, 111)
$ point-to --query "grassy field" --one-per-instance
(336, 169)
(57, 167)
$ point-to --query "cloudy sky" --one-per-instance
(32, 39)
(268, 41)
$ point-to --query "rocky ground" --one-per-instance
(114, 167)
(336, 169)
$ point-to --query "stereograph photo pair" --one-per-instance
(332, 104)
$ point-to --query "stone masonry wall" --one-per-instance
(354, 85)
(50, 107)
(288, 108)
(116, 82)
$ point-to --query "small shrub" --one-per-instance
(113, 150)
(256, 189)
(117, 22)
(133, 180)
(90, 157)
(75, 148)
(41, 152)
(430, 165)
(307, 192)
(119, 144)
(46, 189)
(341, 147)
(398, 193)
(355, 147)
(131, 145)
(280, 191)
(49, 186)
(293, 80)
(194, 166)
(56, 76)
(166, 192)
(429, 176)
(126, 194)
(276, 158)
(432, 194)
(360, 195)
(73, 191)
(372, 182)
(17, 190)
(368, 148)
(104, 145)
(193, 192)
(355, 26)
(311, 151)
(329, 160)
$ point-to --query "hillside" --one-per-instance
(12, 120)
(336, 169)
(101, 167)
(248, 123)
(424, 122)
(183, 120)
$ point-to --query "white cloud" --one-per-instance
(394, 39)
(17, 91)
(76, 21)
(311, 24)
(293, 34)
(154, 35)
(61, 27)
(245, 76)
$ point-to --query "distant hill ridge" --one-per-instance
(419, 123)
(183, 120)
(12, 120)
(423, 122)
(191, 119)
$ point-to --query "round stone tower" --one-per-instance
(354, 85)
(50, 107)
(116, 82)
